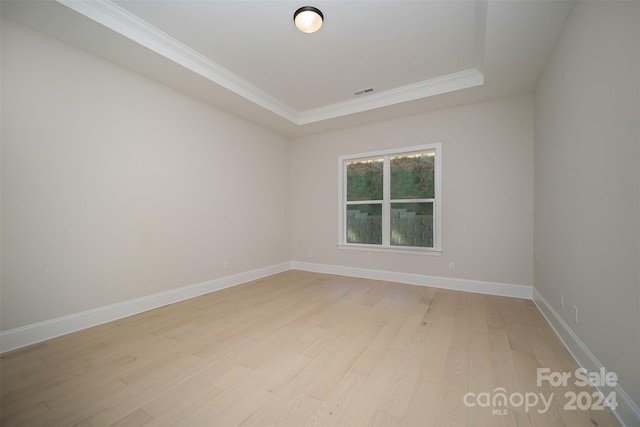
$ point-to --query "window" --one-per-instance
(390, 200)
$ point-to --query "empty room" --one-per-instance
(328, 213)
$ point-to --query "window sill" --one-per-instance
(395, 250)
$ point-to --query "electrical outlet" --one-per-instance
(309, 253)
(575, 309)
(562, 302)
(225, 265)
(452, 266)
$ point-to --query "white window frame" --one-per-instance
(386, 202)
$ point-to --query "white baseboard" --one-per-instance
(477, 286)
(41, 331)
(627, 411)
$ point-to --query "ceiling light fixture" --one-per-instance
(308, 19)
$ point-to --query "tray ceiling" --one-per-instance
(248, 57)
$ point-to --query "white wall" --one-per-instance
(487, 191)
(587, 217)
(116, 187)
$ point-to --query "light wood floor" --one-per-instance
(297, 349)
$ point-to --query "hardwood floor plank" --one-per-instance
(422, 408)
(134, 419)
(343, 360)
(26, 414)
(284, 409)
(404, 378)
(279, 370)
(73, 381)
(384, 419)
(78, 404)
(410, 327)
(372, 354)
(140, 392)
(480, 374)
(232, 376)
(368, 395)
(526, 365)
(435, 358)
(316, 347)
(333, 406)
(451, 409)
(166, 409)
(229, 408)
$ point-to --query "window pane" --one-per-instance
(412, 176)
(364, 180)
(364, 224)
(412, 224)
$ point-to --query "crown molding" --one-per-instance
(123, 22)
(437, 86)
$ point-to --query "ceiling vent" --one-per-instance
(363, 91)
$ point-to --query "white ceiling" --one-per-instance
(248, 58)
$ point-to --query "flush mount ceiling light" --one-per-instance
(308, 19)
